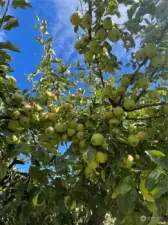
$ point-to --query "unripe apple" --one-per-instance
(107, 23)
(80, 127)
(75, 19)
(97, 139)
(68, 200)
(11, 80)
(24, 121)
(114, 122)
(85, 157)
(108, 115)
(101, 157)
(43, 116)
(93, 164)
(15, 114)
(50, 131)
(158, 61)
(106, 92)
(118, 111)
(142, 135)
(143, 82)
(95, 46)
(128, 162)
(60, 127)
(14, 125)
(121, 91)
(153, 94)
(85, 40)
(52, 117)
(72, 124)
(101, 34)
(114, 35)
(150, 50)
(101, 65)
(87, 21)
(12, 139)
(125, 81)
(165, 109)
(35, 118)
(78, 45)
(80, 135)
(165, 76)
(140, 55)
(71, 132)
(2, 80)
(64, 137)
(133, 140)
(37, 108)
(27, 109)
(17, 97)
(89, 172)
(89, 57)
(129, 104)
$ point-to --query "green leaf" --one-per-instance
(124, 186)
(103, 176)
(21, 4)
(3, 170)
(13, 22)
(159, 158)
(8, 45)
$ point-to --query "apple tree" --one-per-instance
(109, 109)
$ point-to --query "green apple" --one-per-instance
(11, 80)
(108, 115)
(140, 55)
(101, 157)
(95, 46)
(37, 108)
(114, 122)
(107, 23)
(87, 21)
(121, 91)
(64, 137)
(78, 45)
(2, 80)
(114, 35)
(133, 140)
(34, 118)
(72, 124)
(12, 139)
(153, 94)
(129, 104)
(101, 34)
(80, 135)
(69, 203)
(118, 111)
(43, 116)
(50, 131)
(60, 127)
(17, 97)
(89, 172)
(52, 117)
(143, 82)
(85, 40)
(150, 50)
(106, 91)
(75, 19)
(24, 121)
(80, 127)
(27, 109)
(14, 125)
(97, 139)
(85, 157)
(93, 164)
(89, 57)
(158, 61)
(101, 65)
(71, 132)
(15, 114)
(89, 125)
(128, 162)
(125, 81)
(142, 135)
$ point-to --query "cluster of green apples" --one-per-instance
(98, 44)
(8, 81)
(151, 51)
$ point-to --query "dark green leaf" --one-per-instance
(13, 22)
(8, 45)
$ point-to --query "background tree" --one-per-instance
(114, 116)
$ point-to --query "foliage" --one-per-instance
(113, 121)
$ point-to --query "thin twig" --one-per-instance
(90, 13)
(3, 17)
(145, 118)
(147, 106)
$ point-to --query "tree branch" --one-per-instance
(147, 106)
(90, 13)
(4, 117)
(145, 118)
(6, 10)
